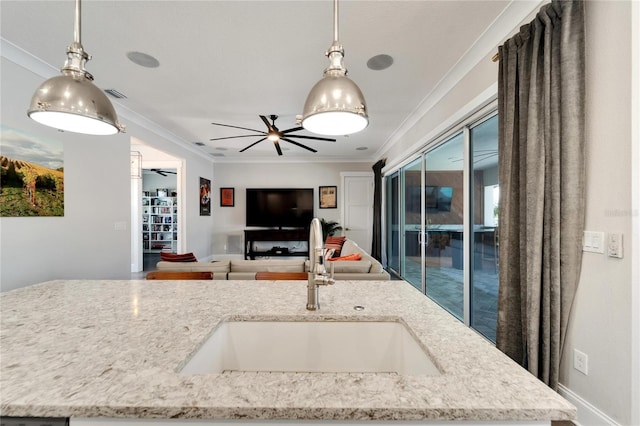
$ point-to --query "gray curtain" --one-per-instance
(541, 140)
(376, 243)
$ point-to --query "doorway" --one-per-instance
(157, 213)
(357, 213)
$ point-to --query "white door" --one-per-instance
(357, 213)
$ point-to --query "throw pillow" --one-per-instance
(328, 254)
(353, 256)
(172, 257)
(335, 243)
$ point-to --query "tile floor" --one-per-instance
(445, 287)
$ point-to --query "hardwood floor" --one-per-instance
(148, 265)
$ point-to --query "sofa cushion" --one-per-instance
(267, 265)
(221, 266)
(243, 276)
(172, 257)
(350, 247)
(351, 266)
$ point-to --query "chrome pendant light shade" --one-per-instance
(71, 102)
(335, 105)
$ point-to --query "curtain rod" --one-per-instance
(495, 57)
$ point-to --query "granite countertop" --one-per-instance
(87, 348)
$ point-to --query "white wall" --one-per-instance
(601, 318)
(601, 322)
(85, 243)
(281, 174)
(35, 249)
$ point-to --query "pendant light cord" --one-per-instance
(77, 26)
(335, 21)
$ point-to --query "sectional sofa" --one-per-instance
(367, 268)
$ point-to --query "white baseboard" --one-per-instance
(588, 414)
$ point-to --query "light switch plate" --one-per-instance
(614, 245)
(593, 242)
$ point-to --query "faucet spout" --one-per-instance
(317, 272)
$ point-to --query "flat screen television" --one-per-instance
(279, 207)
(438, 198)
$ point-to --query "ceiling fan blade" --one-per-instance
(163, 172)
(277, 145)
(315, 138)
(266, 122)
(255, 143)
(293, 129)
(236, 127)
(298, 144)
(234, 137)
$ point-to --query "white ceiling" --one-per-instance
(230, 61)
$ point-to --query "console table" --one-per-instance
(274, 235)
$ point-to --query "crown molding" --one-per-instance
(483, 49)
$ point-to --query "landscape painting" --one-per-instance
(32, 175)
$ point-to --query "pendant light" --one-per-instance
(71, 102)
(335, 105)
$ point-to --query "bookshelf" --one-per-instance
(159, 221)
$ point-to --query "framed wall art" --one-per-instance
(205, 197)
(227, 197)
(32, 174)
(328, 197)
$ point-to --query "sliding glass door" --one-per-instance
(411, 215)
(444, 209)
(442, 224)
(392, 197)
(485, 196)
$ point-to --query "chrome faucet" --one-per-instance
(317, 271)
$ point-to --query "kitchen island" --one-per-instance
(114, 349)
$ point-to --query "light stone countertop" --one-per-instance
(87, 348)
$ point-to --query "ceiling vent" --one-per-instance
(115, 94)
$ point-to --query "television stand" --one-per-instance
(276, 236)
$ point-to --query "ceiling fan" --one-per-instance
(162, 172)
(273, 134)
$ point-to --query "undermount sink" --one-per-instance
(311, 346)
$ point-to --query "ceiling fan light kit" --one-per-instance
(71, 102)
(335, 105)
(273, 134)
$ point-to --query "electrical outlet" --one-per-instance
(580, 362)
